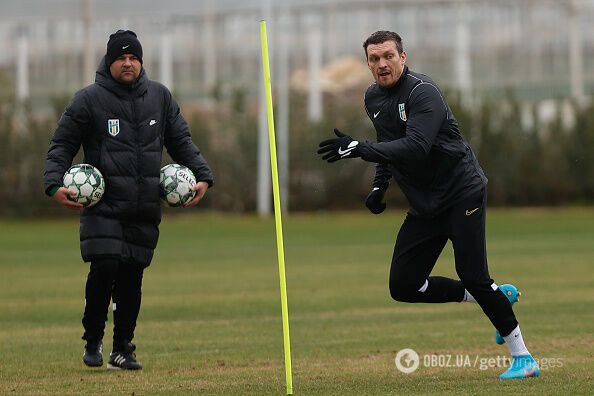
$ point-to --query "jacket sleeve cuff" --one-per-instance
(52, 190)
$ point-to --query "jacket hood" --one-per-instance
(103, 78)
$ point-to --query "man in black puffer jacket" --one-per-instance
(122, 121)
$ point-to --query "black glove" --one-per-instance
(338, 148)
(374, 200)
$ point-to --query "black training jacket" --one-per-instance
(419, 144)
(122, 130)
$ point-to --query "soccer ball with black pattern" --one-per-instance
(87, 182)
(175, 186)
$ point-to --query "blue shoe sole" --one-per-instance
(532, 374)
(522, 367)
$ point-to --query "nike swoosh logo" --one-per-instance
(126, 46)
(376, 114)
(153, 122)
(469, 212)
(346, 152)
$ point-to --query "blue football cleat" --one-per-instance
(513, 295)
(523, 366)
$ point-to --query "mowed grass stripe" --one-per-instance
(210, 322)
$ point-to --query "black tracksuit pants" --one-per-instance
(121, 282)
(421, 241)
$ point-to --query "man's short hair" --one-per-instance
(382, 36)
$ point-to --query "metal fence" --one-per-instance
(537, 49)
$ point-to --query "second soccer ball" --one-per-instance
(175, 186)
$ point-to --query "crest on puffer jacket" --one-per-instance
(113, 127)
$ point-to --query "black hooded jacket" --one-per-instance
(122, 130)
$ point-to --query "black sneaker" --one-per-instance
(93, 355)
(124, 358)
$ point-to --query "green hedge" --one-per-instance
(542, 164)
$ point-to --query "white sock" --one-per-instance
(468, 297)
(515, 342)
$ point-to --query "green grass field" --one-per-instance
(210, 321)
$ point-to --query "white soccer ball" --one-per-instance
(87, 182)
(176, 183)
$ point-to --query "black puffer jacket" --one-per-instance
(122, 130)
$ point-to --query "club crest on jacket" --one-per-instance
(113, 127)
(401, 111)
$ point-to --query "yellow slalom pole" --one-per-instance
(277, 208)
